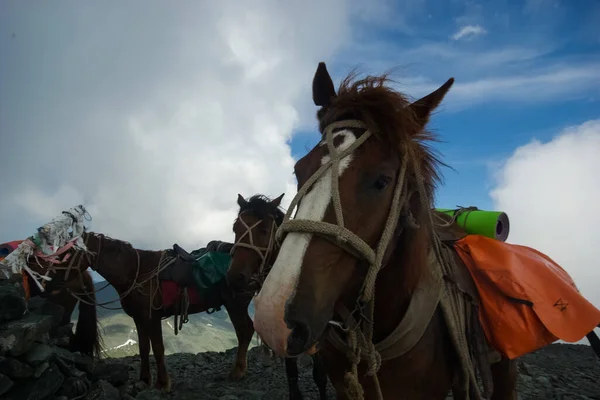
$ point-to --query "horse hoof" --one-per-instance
(237, 373)
(164, 387)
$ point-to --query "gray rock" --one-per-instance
(82, 362)
(5, 384)
(40, 369)
(40, 306)
(14, 368)
(150, 394)
(12, 303)
(41, 388)
(39, 353)
(17, 337)
(74, 388)
(104, 391)
(115, 373)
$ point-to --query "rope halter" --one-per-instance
(263, 252)
(359, 342)
(338, 233)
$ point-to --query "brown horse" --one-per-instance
(336, 256)
(252, 256)
(87, 338)
(134, 274)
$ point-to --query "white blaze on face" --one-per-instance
(282, 280)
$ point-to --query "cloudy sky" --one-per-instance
(155, 116)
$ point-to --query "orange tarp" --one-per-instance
(527, 300)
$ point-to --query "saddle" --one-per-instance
(184, 255)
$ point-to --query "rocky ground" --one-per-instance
(34, 365)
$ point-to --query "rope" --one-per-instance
(138, 282)
(263, 252)
(359, 342)
(451, 303)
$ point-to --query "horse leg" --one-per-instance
(504, 376)
(320, 376)
(244, 330)
(291, 372)
(144, 346)
(163, 381)
(594, 342)
(68, 302)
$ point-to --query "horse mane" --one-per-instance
(387, 114)
(122, 243)
(261, 207)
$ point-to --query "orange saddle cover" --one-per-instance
(527, 300)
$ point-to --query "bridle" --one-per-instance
(338, 233)
(358, 340)
(263, 252)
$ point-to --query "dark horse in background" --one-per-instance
(252, 256)
(87, 338)
(372, 177)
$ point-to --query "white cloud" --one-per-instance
(155, 116)
(550, 192)
(535, 86)
(469, 32)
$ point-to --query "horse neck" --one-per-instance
(120, 263)
(397, 280)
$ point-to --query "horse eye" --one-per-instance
(381, 182)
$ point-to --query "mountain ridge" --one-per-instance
(203, 331)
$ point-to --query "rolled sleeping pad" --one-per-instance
(493, 224)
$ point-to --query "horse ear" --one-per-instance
(423, 107)
(276, 202)
(241, 201)
(322, 87)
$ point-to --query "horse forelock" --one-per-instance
(261, 207)
(387, 114)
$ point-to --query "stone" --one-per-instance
(17, 337)
(43, 387)
(14, 368)
(39, 353)
(114, 373)
(12, 303)
(40, 306)
(5, 384)
(104, 391)
(40, 369)
(150, 394)
(74, 387)
(83, 362)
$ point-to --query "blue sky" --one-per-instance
(553, 47)
(156, 117)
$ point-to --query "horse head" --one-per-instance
(370, 178)
(254, 247)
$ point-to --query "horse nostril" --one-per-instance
(300, 338)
